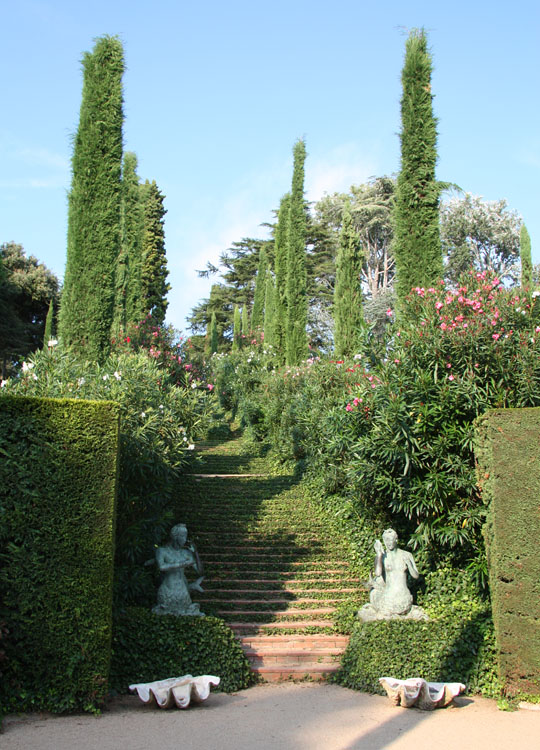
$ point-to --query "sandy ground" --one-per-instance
(288, 716)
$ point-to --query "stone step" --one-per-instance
(281, 590)
(314, 672)
(246, 628)
(212, 600)
(311, 643)
(291, 658)
(277, 613)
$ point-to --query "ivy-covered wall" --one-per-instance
(58, 476)
(509, 474)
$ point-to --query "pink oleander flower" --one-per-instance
(349, 407)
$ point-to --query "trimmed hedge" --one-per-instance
(58, 477)
(446, 650)
(509, 474)
(148, 647)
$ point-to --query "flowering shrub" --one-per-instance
(159, 424)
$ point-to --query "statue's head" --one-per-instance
(390, 538)
(179, 534)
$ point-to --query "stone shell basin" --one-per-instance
(419, 693)
(179, 691)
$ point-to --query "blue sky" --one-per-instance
(216, 94)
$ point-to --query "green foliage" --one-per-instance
(348, 316)
(260, 292)
(479, 234)
(526, 258)
(456, 645)
(270, 310)
(47, 335)
(27, 288)
(213, 334)
(296, 296)
(148, 647)
(281, 245)
(128, 308)
(159, 424)
(417, 247)
(154, 272)
(94, 221)
(58, 476)
(245, 323)
(508, 473)
(237, 330)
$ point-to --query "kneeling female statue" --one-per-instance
(173, 594)
(390, 597)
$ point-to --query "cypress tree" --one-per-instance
(348, 316)
(237, 329)
(417, 245)
(213, 334)
(154, 272)
(87, 305)
(129, 281)
(48, 333)
(245, 323)
(270, 310)
(281, 241)
(526, 257)
(259, 294)
(296, 341)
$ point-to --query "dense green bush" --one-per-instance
(391, 431)
(58, 476)
(148, 647)
(457, 644)
(159, 424)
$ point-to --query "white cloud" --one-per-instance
(337, 170)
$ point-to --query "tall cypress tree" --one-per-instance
(270, 310)
(259, 294)
(237, 329)
(245, 323)
(296, 342)
(48, 333)
(348, 316)
(154, 272)
(87, 305)
(129, 270)
(213, 334)
(281, 243)
(526, 257)
(417, 245)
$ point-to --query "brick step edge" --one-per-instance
(305, 672)
(285, 625)
(306, 642)
(302, 653)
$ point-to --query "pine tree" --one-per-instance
(48, 333)
(526, 257)
(260, 291)
(281, 243)
(87, 305)
(348, 316)
(154, 286)
(417, 246)
(296, 341)
(237, 329)
(270, 310)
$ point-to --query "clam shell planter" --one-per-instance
(179, 691)
(419, 693)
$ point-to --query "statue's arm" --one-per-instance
(411, 565)
(379, 550)
(163, 562)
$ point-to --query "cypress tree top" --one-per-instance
(417, 246)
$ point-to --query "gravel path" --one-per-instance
(286, 716)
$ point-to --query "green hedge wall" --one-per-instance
(445, 650)
(148, 647)
(58, 476)
(509, 474)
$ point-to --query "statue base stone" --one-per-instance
(368, 613)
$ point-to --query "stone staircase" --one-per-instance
(273, 571)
